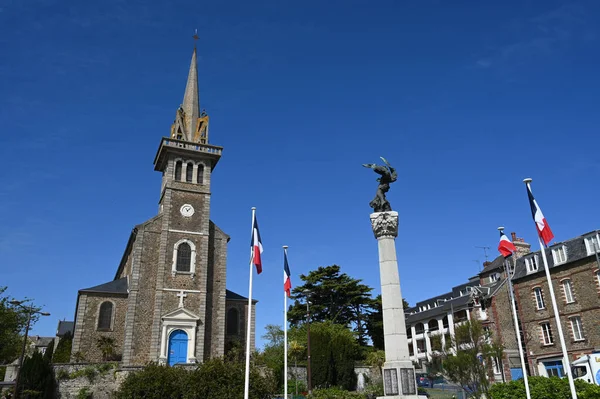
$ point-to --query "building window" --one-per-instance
(494, 277)
(539, 298)
(577, 328)
(178, 166)
(554, 368)
(411, 351)
(591, 244)
(409, 333)
(189, 172)
(105, 316)
(233, 320)
(546, 334)
(433, 325)
(445, 321)
(598, 278)
(419, 328)
(532, 264)
(421, 348)
(200, 174)
(568, 291)
(184, 257)
(560, 255)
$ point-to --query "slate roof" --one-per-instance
(42, 341)
(456, 303)
(64, 327)
(232, 296)
(576, 250)
(496, 264)
(112, 287)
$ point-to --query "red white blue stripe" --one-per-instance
(540, 221)
(256, 247)
(287, 281)
(505, 246)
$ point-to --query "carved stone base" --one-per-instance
(399, 380)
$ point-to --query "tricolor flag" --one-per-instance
(256, 247)
(540, 221)
(287, 281)
(505, 247)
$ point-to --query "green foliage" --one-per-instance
(84, 393)
(36, 378)
(62, 354)
(79, 357)
(107, 346)
(90, 372)
(334, 393)
(12, 323)
(49, 352)
(216, 378)
(475, 352)
(2, 372)
(544, 388)
(272, 354)
(333, 353)
(334, 297)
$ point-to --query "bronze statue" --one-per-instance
(388, 175)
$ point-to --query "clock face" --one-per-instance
(187, 210)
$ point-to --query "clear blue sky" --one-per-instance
(465, 100)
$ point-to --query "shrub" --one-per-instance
(36, 378)
(334, 393)
(544, 388)
(214, 378)
(63, 349)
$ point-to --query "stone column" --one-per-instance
(398, 371)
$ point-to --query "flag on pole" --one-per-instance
(256, 247)
(540, 221)
(505, 247)
(287, 281)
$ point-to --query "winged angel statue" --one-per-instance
(388, 176)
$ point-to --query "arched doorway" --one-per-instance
(178, 344)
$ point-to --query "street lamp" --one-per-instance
(308, 373)
(30, 312)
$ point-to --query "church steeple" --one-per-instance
(189, 124)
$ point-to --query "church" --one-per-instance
(168, 302)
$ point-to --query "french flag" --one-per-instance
(505, 247)
(287, 281)
(540, 221)
(256, 247)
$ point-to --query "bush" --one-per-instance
(334, 393)
(36, 379)
(214, 378)
(544, 388)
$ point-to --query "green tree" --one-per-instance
(36, 378)
(12, 324)
(334, 297)
(334, 350)
(295, 352)
(272, 354)
(49, 352)
(469, 358)
(63, 349)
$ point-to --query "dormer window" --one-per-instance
(494, 277)
(592, 244)
(532, 264)
(559, 254)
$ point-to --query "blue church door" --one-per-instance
(178, 344)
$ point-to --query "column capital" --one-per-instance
(385, 224)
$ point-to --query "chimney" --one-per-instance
(523, 248)
(513, 236)
(486, 263)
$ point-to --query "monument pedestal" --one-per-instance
(399, 380)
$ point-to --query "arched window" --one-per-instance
(419, 328)
(233, 320)
(105, 316)
(200, 174)
(445, 321)
(189, 172)
(184, 257)
(178, 166)
(433, 325)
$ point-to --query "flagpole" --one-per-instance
(285, 338)
(567, 364)
(516, 320)
(249, 324)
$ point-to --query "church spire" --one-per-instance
(189, 124)
(191, 99)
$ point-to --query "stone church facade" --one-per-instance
(168, 301)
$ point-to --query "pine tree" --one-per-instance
(63, 349)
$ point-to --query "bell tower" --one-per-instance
(186, 260)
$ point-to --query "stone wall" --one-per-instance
(99, 379)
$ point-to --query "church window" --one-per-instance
(184, 257)
(105, 316)
(200, 174)
(178, 166)
(189, 172)
(233, 320)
